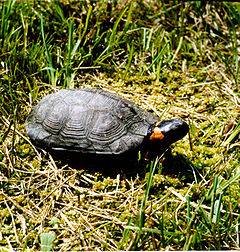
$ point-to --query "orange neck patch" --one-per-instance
(156, 135)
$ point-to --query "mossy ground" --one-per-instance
(175, 59)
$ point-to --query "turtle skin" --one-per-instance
(91, 121)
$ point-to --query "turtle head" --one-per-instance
(165, 133)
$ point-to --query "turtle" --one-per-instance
(99, 122)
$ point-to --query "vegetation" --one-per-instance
(174, 58)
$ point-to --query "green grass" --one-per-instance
(177, 59)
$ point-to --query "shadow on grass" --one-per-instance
(108, 165)
(127, 165)
(179, 166)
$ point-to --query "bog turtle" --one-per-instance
(98, 122)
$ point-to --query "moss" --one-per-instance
(106, 184)
(24, 150)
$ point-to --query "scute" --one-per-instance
(88, 121)
(126, 143)
(76, 124)
(56, 117)
(129, 116)
(106, 128)
(102, 102)
(71, 97)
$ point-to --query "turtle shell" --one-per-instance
(88, 121)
